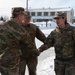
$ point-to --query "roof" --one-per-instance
(52, 9)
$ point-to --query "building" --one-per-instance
(47, 14)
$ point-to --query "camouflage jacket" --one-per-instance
(34, 32)
(9, 48)
(11, 35)
(63, 40)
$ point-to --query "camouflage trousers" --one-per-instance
(7, 71)
(31, 64)
(65, 67)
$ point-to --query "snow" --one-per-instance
(46, 59)
(1, 21)
(46, 67)
(42, 25)
(54, 9)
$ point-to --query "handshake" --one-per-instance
(37, 52)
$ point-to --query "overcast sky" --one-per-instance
(6, 5)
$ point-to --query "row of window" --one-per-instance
(44, 13)
(41, 20)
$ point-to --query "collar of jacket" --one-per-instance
(13, 20)
(66, 27)
(62, 29)
(27, 25)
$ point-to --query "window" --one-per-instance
(34, 20)
(32, 13)
(52, 13)
(45, 13)
(39, 13)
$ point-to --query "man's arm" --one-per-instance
(26, 40)
(40, 35)
(49, 42)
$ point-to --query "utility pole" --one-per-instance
(26, 5)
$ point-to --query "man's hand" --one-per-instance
(37, 52)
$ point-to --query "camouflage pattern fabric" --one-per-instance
(30, 59)
(17, 10)
(27, 14)
(65, 67)
(33, 31)
(14, 34)
(63, 40)
(9, 48)
(60, 14)
(23, 36)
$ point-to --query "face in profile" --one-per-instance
(21, 18)
(27, 20)
(60, 21)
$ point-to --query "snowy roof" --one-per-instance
(61, 9)
(52, 9)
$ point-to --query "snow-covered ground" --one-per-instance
(46, 59)
(43, 25)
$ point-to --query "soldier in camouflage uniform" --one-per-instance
(30, 59)
(11, 35)
(63, 40)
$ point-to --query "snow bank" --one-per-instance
(46, 67)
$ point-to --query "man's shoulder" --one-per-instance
(54, 30)
(70, 28)
(34, 25)
(11, 22)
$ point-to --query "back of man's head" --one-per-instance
(17, 11)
